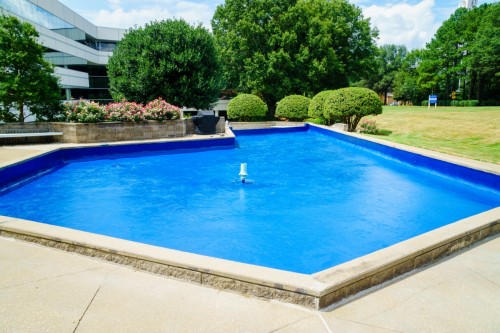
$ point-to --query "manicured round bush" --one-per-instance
(351, 104)
(293, 107)
(245, 107)
(317, 102)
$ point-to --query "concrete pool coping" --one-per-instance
(315, 291)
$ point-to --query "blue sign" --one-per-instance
(433, 99)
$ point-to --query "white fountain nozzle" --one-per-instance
(243, 172)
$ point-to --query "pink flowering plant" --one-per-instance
(124, 111)
(368, 126)
(84, 111)
(160, 110)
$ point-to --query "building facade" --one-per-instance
(469, 4)
(79, 49)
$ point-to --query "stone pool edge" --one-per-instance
(452, 159)
(316, 291)
(368, 271)
(251, 280)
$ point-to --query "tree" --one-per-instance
(168, 59)
(351, 104)
(451, 60)
(405, 85)
(279, 48)
(26, 79)
(441, 59)
(485, 55)
(389, 59)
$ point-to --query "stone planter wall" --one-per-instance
(102, 132)
(119, 131)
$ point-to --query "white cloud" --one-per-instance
(126, 14)
(404, 24)
(120, 18)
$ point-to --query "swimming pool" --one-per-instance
(314, 200)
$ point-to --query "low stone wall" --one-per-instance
(103, 132)
(119, 131)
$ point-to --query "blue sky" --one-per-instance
(411, 22)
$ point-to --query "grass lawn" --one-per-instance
(472, 132)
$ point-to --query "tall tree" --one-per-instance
(279, 48)
(405, 85)
(450, 61)
(485, 55)
(26, 79)
(169, 59)
(441, 64)
(390, 59)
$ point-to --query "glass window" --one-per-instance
(35, 14)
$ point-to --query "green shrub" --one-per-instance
(316, 106)
(84, 111)
(455, 103)
(462, 103)
(473, 102)
(246, 107)
(424, 103)
(351, 104)
(293, 107)
(444, 102)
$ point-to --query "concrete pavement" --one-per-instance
(48, 290)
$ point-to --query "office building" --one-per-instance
(79, 49)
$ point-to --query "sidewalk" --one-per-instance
(47, 290)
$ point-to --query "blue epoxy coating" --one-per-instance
(311, 201)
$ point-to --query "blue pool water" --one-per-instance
(313, 202)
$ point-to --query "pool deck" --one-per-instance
(45, 289)
(48, 290)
